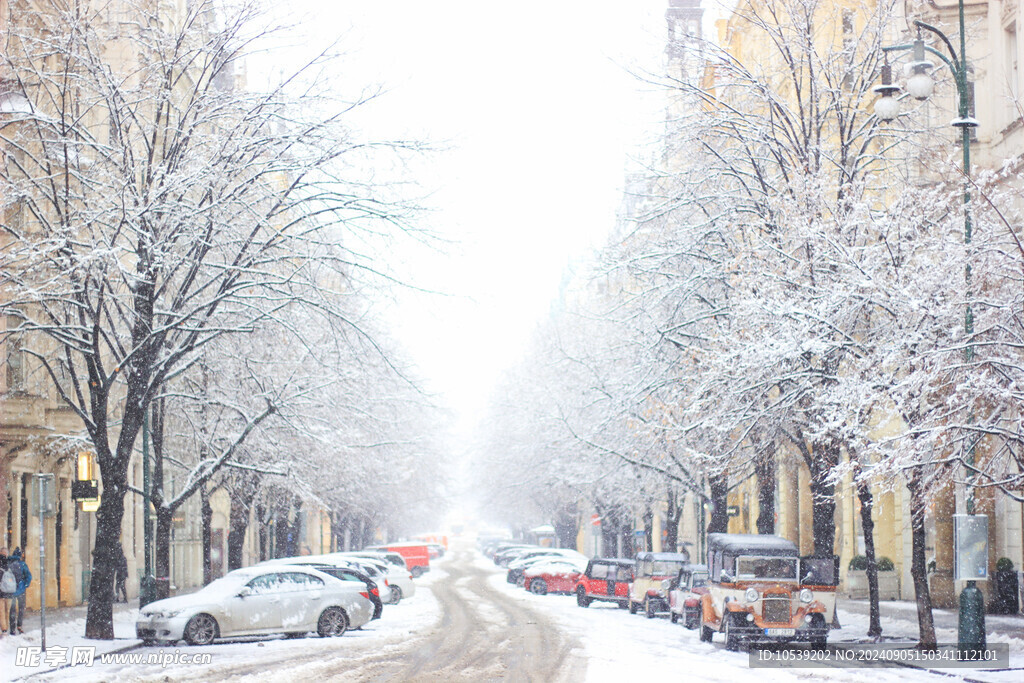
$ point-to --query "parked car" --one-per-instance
(416, 555)
(398, 575)
(685, 592)
(761, 590)
(516, 567)
(605, 579)
(255, 601)
(376, 571)
(553, 575)
(504, 557)
(652, 569)
(342, 573)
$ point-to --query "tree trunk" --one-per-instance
(207, 533)
(764, 468)
(868, 525)
(99, 623)
(162, 564)
(264, 535)
(820, 465)
(719, 522)
(823, 517)
(242, 496)
(918, 566)
(672, 517)
(567, 527)
(648, 529)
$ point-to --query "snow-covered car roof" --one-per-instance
(669, 557)
(623, 561)
(752, 544)
(556, 566)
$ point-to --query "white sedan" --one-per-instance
(256, 601)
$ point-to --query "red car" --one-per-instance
(553, 576)
(606, 579)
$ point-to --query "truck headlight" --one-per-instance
(751, 595)
(806, 595)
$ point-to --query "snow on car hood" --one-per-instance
(213, 592)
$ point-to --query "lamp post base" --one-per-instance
(971, 630)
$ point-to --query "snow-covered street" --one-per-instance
(466, 623)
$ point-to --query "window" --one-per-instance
(263, 584)
(767, 568)
(600, 571)
(665, 568)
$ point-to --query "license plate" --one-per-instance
(780, 631)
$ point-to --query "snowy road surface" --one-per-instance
(467, 624)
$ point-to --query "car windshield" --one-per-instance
(699, 579)
(663, 568)
(774, 568)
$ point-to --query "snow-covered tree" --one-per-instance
(157, 207)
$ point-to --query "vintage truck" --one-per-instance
(761, 591)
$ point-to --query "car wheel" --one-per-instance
(621, 604)
(732, 639)
(581, 597)
(416, 572)
(538, 587)
(200, 630)
(396, 595)
(673, 617)
(691, 619)
(706, 633)
(649, 608)
(632, 607)
(332, 622)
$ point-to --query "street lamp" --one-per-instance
(971, 627)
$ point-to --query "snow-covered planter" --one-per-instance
(857, 584)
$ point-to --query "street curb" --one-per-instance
(126, 648)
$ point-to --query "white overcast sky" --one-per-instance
(535, 103)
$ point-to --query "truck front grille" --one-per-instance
(775, 610)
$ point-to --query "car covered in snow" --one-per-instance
(354, 574)
(652, 570)
(554, 575)
(517, 566)
(685, 592)
(398, 575)
(605, 579)
(760, 590)
(268, 599)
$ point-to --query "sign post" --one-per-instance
(970, 551)
(45, 506)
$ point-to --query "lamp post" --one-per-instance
(971, 628)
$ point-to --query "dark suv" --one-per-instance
(606, 579)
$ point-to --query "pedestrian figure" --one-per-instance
(8, 586)
(121, 576)
(24, 577)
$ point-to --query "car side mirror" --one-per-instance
(667, 585)
(245, 592)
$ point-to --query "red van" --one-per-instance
(416, 555)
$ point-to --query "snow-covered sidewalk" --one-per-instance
(618, 646)
(65, 641)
